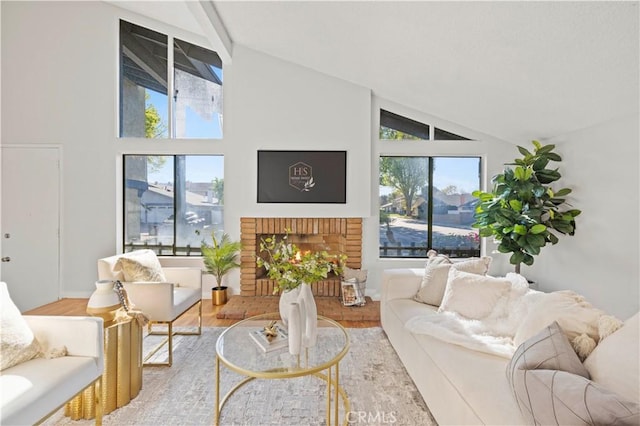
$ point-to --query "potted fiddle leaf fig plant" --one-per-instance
(219, 258)
(522, 212)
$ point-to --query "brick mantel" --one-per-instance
(344, 235)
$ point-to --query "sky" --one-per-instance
(200, 168)
(462, 172)
(196, 126)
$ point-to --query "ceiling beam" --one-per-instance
(205, 13)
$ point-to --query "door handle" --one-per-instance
(6, 259)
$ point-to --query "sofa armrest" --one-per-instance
(185, 276)
(400, 283)
(82, 336)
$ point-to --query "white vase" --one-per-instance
(295, 328)
(310, 313)
(104, 302)
(286, 298)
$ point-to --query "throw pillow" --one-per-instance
(141, 265)
(17, 342)
(551, 386)
(570, 310)
(552, 397)
(614, 362)
(436, 273)
(471, 295)
(548, 350)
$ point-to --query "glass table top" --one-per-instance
(237, 350)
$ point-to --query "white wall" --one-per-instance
(59, 85)
(59, 81)
(601, 260)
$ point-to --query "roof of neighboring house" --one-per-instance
(193, 199)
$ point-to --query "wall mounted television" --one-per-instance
(302, 177)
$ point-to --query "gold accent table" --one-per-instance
(122, 376)
(237, 351)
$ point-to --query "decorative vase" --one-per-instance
(286, 298)
(104, 302)
(310, 312)
(295, 329)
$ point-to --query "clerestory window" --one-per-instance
(167, 93)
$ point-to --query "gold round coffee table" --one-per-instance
(237, 351)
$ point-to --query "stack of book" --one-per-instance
(270, 338)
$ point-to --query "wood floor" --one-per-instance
(77, 307)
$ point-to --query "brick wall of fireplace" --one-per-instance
(335, 235)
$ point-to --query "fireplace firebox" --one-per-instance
(335, 235)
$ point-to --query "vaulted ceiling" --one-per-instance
(512, 70)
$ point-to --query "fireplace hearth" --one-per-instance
(335, 235)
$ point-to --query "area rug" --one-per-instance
(379, 389)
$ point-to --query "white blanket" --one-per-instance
(493, 334)
(484, 336)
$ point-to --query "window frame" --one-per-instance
(429, 184)
(172, 35)
(192, 252)
(473, 145)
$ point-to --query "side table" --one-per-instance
(122, 377)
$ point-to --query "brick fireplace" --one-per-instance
(335, 235)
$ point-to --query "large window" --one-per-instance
(147, 76)
(172, 202)
(426, 203)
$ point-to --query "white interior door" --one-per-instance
(30, 224)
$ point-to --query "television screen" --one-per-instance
(302, 176)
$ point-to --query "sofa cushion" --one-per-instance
(141, 265)
(17, 342)
(436, 273)
(476, 377)
(614, 362)
(471, 295)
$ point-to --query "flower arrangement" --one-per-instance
(289, 267)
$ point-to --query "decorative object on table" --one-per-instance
(104, 301)
(522, 209)
(271, 337)
(293, 270)
(219, 258)
(295, 329)
(308, 316)
(129, 307)
(353, 285)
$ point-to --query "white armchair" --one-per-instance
(32, 390)
(162, 302)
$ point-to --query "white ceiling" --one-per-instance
(513, 70)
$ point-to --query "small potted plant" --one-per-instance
(219, 258)
(522, 212)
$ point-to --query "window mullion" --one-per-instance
(171, 99)
(430, 204)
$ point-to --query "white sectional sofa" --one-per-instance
(464, 386)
